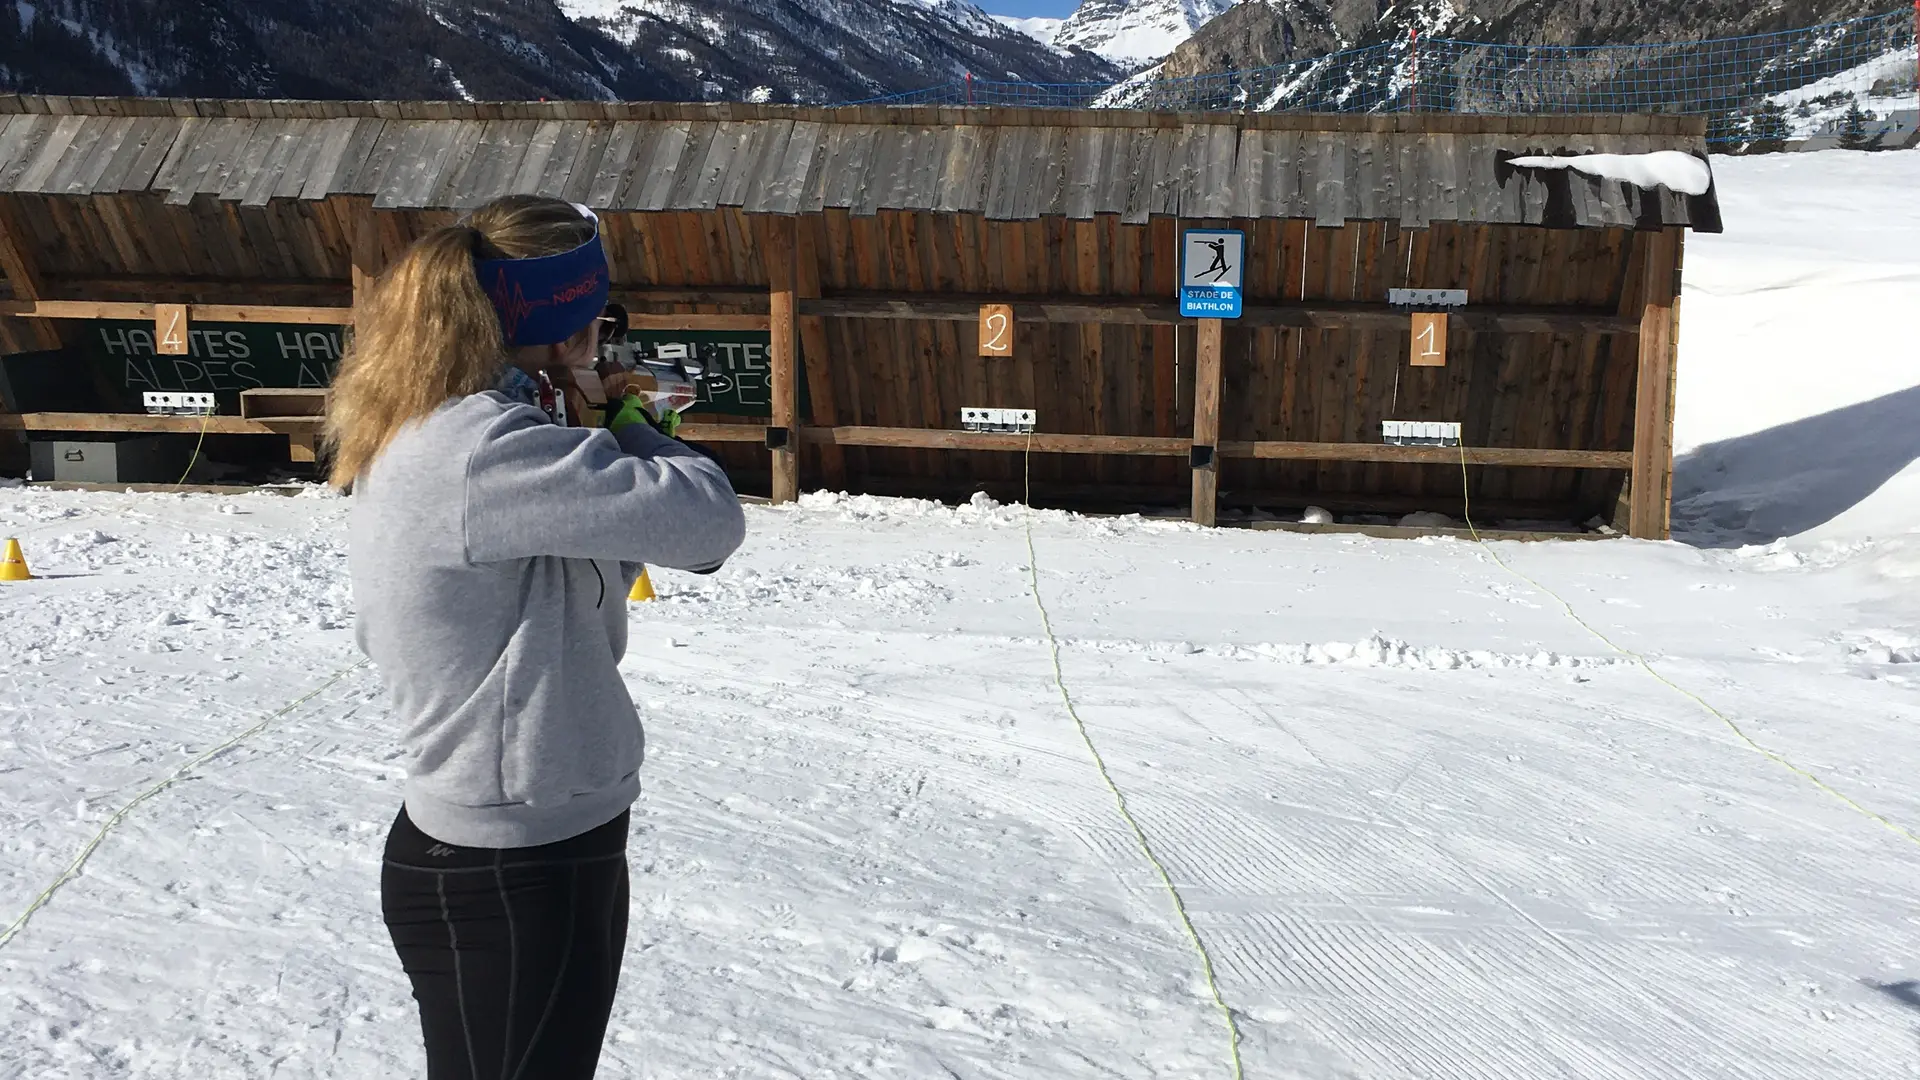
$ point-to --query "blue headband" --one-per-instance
(546, 300)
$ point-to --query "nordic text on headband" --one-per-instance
(546, 300)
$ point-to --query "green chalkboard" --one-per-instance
(120, 363)
(738, 372)
(224, 358)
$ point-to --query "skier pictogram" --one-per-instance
(1218, 268)
(1211, 266)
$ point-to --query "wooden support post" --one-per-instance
(1206, 422)
(784, 435)
(367, 253)
(22, 273)
(1673, 378)
(1650, 488)
(368, 256)
(813, 353)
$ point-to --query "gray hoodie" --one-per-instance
(491, 553)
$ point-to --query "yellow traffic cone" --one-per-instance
(642, 587)
(13, 565)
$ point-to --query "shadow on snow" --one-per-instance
(1780, 482)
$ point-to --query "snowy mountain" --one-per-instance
(1260, 34)
(1135, 33)
(1350, 54)
(809, 51)
(827, 50)
(1041, 30)
(512, 49)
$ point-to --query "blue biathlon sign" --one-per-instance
(1211, 261)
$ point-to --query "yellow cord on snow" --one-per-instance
(1119, 799)
(206, 420)
(73, 868)
(1756, 747)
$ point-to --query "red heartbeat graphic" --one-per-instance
(513, 306)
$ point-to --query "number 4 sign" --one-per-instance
(996, 330)
(1429, 339)
(170, 329)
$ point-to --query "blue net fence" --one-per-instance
(1754, 89)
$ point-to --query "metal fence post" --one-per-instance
(1413, 92)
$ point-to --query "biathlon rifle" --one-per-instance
(666, 378)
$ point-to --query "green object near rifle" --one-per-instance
(632, 410)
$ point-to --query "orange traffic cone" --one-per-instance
(13, 565)
(642, 587)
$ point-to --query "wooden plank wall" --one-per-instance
(1082, 379)
(1534, 390)
(1507, 390)
(1574, 391)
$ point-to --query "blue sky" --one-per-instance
(1026, 9)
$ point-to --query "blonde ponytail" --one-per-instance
(428, 334)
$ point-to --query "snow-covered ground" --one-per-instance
(1799, 393)
(1426, 824)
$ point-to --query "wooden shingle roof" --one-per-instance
(1003, 164)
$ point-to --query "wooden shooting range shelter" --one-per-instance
(870, 244)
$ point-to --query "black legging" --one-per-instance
(514, 953)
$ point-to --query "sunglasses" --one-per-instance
(611, 324)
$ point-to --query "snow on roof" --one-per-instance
(1674, 170)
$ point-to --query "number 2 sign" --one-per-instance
(996, 330)
(1429, 339)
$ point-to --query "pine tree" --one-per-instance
(1724, 129)
(1853, 130)
(1767, 131)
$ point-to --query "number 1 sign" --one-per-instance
(1429, 339)
(996, 330)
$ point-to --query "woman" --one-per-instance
(491, 551)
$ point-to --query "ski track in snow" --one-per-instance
(1428, 826)
(871, 843)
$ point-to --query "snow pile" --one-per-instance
(1887, 648)
(1380, 651)
(1672, 169)
(981, 509)
(1376, 650)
